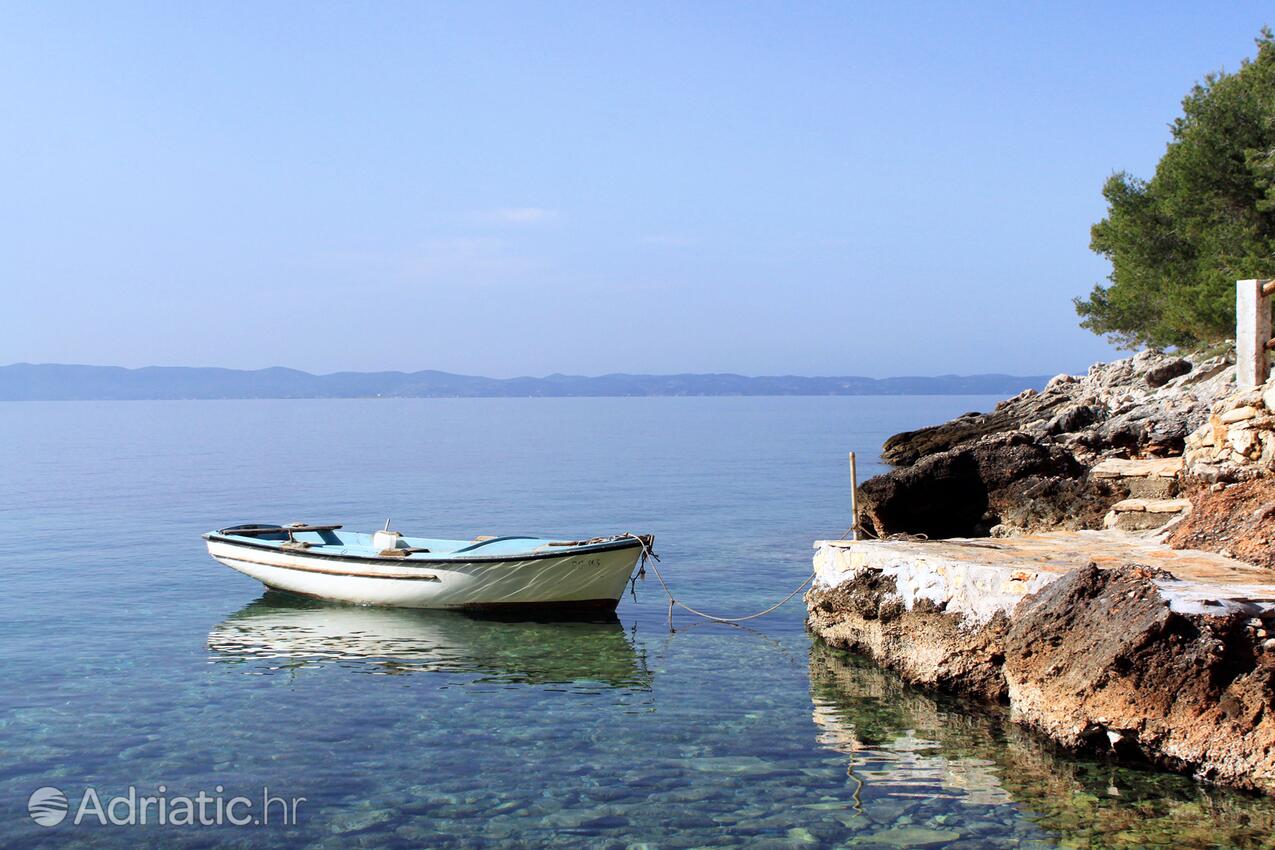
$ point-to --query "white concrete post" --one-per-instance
(1252, 331)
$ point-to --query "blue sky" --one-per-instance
(524, 188)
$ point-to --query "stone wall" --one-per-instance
(1229, 476)
(1237, 443)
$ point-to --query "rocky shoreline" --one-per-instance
(1025, 466)
(1097, 639)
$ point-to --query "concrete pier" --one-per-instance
(979, 577)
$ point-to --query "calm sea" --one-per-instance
(135, 665)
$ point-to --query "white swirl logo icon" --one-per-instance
(47, 806)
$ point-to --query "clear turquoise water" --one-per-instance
(131, 658)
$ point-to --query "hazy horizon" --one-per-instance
(505, 190)
(521, 374)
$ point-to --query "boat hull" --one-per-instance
(592, 581)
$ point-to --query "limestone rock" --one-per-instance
(1167, 467)
(1173, 669)
(1024, 466)
(1185, 691)
(1005, 478)
(1238, 414)
(1158, 376)
(866, 615)
(1155, 506)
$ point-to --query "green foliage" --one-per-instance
(1178, 242)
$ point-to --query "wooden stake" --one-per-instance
(854, 500)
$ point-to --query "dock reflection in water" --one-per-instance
(932, 761)
(280, 631)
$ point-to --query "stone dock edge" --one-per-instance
(1099, 640)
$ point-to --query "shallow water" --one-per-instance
(131, 658)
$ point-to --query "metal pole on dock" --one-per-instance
(854, 500)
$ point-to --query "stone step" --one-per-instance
(1155, 506)
(1151, 467)
(1146, 478)
(1145, 514)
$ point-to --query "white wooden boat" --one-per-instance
(386, 568)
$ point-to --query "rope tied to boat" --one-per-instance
(647, 552)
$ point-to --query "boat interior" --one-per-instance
(392, 544)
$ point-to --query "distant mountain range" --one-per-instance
(56, 382)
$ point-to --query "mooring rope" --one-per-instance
(898, 536)
(672, 601)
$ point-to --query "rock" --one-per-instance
(358, 820)
(1150, 478)
(605, 822)
(1160, 467)
(1041, 503)
(1059, 381)
(1131, 522)
(1138, 518)
(1161, 506)
(909, 836)
(801, 835)
(1238, 414)
(1073, 418)
(1158, 376)
(928, 647)
(1002, 479)
(1144, 468)
(1102, 650)
(1022, 466)
(729, 764)
(1133, 659)
(1152, 488)
(910, 446)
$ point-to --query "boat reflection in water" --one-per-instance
(291, 632)
(961, 766)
